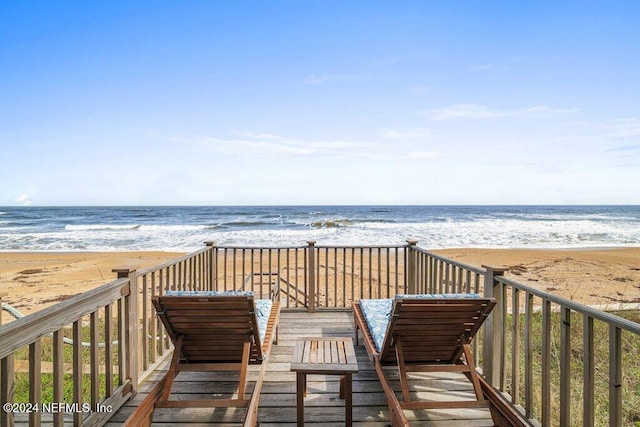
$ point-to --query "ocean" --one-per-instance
(186, 228)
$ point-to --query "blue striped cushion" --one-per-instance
(436, 296)
(263, 309)
(263, 306)
(376, 313)
(207, 293)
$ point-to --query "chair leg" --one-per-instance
(403, 371)
(473, 374)
(173, 368)
(243, 369)
(355, 322)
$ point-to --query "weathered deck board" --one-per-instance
(322, 405)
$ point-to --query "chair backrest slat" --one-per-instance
(214, 328)
(431, 330)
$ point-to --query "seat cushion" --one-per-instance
(263, 306)
(207, 293)
(436, 296)
(263, 310)
(376, 313)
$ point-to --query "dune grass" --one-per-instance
(630, 369)
(21, 393)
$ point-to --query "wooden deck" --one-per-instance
(322, 404)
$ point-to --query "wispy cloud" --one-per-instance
(250, 143)
(627, 148)
(622, 128)
(402, 145)
(329, 78)
(413, 133)
(418, 155)
(476, 111)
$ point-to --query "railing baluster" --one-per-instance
(615, 376)
(146, 315)
(310, 275)
(121, 344)
(528, 355)
(388, 261)
(397, 281)
(588, 391)
(362, 295)
(234, 271)
(344, 277)
(244, 267)
(565, 367)
(277, 274)
(7, 384)
(108, 350)
(546, 363)
(58, 375)
(515, 361)
(379, 260)
(340, 297)
(503, 335)
(77, 370)
(224, 272)
(94, 358)
(35, 380)
(353, 276)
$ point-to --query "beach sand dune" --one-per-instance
(34, 280)
(589, 276)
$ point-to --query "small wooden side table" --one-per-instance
(324, 356)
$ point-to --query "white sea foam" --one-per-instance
(185, 229)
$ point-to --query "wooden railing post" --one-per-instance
(412, 264)
(132, 321)
(311, 275)
(491, 339)
(7, 388)
(212, 267)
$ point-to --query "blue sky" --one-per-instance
(319, 102)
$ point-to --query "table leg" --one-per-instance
(301, 381)
(304, 385)
(348, 404)
(342, 382)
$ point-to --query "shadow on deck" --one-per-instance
(322, 404)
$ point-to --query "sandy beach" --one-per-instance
(35, 280)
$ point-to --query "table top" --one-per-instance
(324, 355)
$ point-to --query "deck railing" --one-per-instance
(562, 362)
(69, 379)
(526, 350)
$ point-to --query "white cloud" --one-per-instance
(316, 80)
(476, 111)
(414, 133)
(24, 200)
(418, 155)
(622, 128)
(250, 143)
